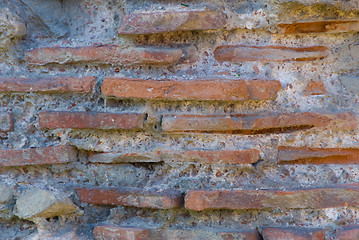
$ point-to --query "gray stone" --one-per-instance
(39, 203)
(10, 27)
(6, 193)
(350, 83)
(354, 51)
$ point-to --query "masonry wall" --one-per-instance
(172, 119)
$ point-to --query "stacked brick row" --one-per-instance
(209, 90)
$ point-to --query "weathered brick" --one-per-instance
(200, 200)
(37, 156)
(293, 234)
(190, 89)
(332, 26)
(95, 120)
(167, 21)
(199, 234)
(112, 232)
(315, 88)
(48, 84)
(131, 197)
(6, 122)
(247, 156)
(240, 53)
(253, 124)
(105, 54)
(347, 233)
(214, 157)
(120, 157)
(305, 155)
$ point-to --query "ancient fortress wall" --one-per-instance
(153, 119)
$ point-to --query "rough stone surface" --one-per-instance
(38, 203)
(6, 122)
(223, 96)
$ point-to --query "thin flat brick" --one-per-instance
(90, 120)
(112, 232)
(191, 89)
(48, 84)
(37, 156)
(315, 88)
(293, 233)
(247, 156)
(200, 200)
(347, 233)
(305, 155)
(6, 122)
(239, 53)
(167, 21)
(332, 26)
(131, 197)
(253, 124)
(105, 54)
(119, 157)
(199, 234)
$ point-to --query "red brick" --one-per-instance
(305, 155)
(131, 197)
(315, 88)
(347, 233)
(200, 200)
(247, 156)
(112, 232)
(190, 89)
(254, 124)
(293, 234)
(6, 122)
(95, 120)
(167, 21)
(332, 26)
(48, 84)
(240, 53)
(37, 156)
(105, 54)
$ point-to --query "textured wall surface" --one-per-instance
(207, 119)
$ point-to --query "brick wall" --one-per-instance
(202, 119)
